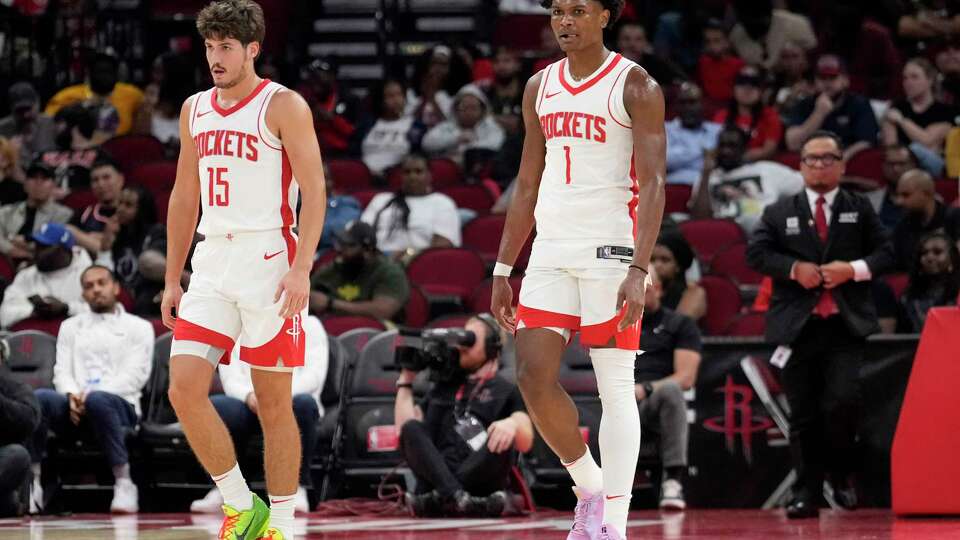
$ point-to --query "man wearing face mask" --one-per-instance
(688, 137)
(50, 288)
(361, 281)
(460, 439)
(104, 90)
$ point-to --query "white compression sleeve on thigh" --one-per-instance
(619, 431)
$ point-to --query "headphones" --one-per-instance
(492, 345)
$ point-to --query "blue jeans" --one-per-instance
(931, 161)
(241, 422)
(108, 415)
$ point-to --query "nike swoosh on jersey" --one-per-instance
(204, 113)
(609, 498)
(268, 257)
(549, 95)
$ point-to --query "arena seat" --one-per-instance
(708, 236)
(790, 159)
(338, 324)
(50, 326)
(723, 304)
(748, 324)
(480, 299)
(447, 272)
(456, 320)
(732, 263)
(162, 202)
(473, 197)
(79, 199)
(128, 151)
(445, 173)
(483, 234)
(350, 174)
(898, 283)
(32, 356)
(947, 189)
(417, 310)
(156, 176)
(364, 196)
(353, 341)
(867, 164)
(678, 195)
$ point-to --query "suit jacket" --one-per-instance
(787, 234)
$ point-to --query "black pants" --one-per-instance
(14, 471)
(821, 380)
(482, 473)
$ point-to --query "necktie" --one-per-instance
(825, 306)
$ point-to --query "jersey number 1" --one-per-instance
(217, 197)
(566, 153)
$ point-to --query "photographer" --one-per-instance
(460, 440)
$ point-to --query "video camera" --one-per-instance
(434, 349)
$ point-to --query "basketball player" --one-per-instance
(591, 177)
(246, 146)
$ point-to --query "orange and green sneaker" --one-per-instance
(272, 534)
(246, 524)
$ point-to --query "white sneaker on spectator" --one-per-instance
(125, 497)
(36, 497)
(671, 495)
(301, 502)
(211, 503)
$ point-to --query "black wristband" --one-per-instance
(640, 268)
(405, 385)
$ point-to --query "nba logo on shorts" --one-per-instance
(294, 329)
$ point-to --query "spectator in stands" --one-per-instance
(505, 91)
(116, 102)
(671, 258)
(934, 280)
(438, 75)
(689, 136)
(461, 439)
(948, 64)
(413, 218)
(341, 209)
(106, 182)
(172, 85)
(718, 66)
(360, 281)
(11, 175)
(633, 44)
(471, 128)
(104, 357)
(823, 311)
(549, 51)
(19, 416)
(666, 369)
(730, 188)
(919, 120)
(126, 233)
(924, 23)
(33, 131)
(897, 159)
(238, 408)
(793, 81)
(20, 220)
(749, 112)
(50, 288)
(762, 31)
(76, 149)
(152, 265)
(922, 214)
(393, 134)
(331, 112)
(835, 109)
(679, 32)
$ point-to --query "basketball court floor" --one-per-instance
(692, 525)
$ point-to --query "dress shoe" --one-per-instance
(802, 509)
(846, 497)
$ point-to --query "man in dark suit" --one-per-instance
(821, 247)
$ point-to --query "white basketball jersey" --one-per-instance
(588, 192)
(246, 183)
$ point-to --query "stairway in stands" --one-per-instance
(348, 32)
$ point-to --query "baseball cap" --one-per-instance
(39, 168)
(358, 232)
(830, 66)
(54, 234)
(22, 95)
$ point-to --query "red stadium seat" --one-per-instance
(328, 257)
(524, 257)
(898, 283)
(732, 263)
(157, 176)
(483, 235)
(678, 195)
(445, 173)
(365, 196)
(162, 201)
(521, 32)
(790, 159)
(723, 304)
(7, 271)
(350, 174)
(339, 324)
(480, 299)
(129, 151)
(126, 299)
(417, 310)
(50, 326)
(748, 324)
(447, 272)
(80, 199)
(475, 197)
(450, 321)
(867, 164)
(158, 328)
(947, 189)
(708, 236)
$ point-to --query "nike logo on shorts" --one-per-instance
(268, 257)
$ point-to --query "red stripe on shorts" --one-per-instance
(286, 349)
(184, 330)
(600, 334)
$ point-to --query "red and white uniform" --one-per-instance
(587, 200)
(248, 198)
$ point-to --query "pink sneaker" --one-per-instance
(588, 515)
(609, 533)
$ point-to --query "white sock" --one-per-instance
(234, 489)
(121, 472)
(586, 473)
(281, 514)
(619, 431)
(35, 469)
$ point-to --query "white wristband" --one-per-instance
(502, 270)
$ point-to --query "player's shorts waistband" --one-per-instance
(247, 235)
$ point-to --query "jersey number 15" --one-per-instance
(215, 195)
